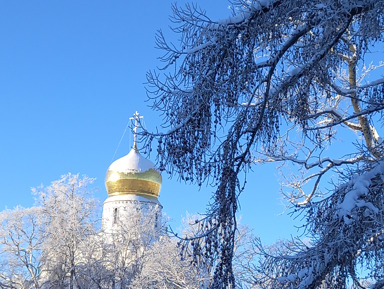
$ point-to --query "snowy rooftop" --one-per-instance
(133, 162)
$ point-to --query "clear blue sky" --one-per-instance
(71, 75)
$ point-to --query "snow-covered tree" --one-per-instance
(279, 81)
(70, 219)
(125, 247)
(21, 239)
(56, 245)
(346, 244)
(164, 267)
(244, 258)
(93, 264)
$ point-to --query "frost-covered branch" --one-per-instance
(342, 230)
(237, 88)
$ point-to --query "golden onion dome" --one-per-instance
(133, 174)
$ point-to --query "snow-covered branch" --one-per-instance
(341, 229)
(278, 78)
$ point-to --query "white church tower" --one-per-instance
(133, 184)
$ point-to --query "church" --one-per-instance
(133, 184)
(131, 250)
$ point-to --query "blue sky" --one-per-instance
(72, 73)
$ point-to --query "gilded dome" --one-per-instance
(133, 174)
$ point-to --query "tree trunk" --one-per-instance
(363, 121)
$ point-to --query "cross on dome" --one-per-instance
(137, 118)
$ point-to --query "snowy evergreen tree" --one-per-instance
(280, 81)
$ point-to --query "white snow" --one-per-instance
(243, 14)
(360, 188)
(302, 273)
(238, 18)
(133, 162)
(321, 6)
(373, 83)
(201, 46)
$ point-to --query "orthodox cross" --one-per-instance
(137, 118)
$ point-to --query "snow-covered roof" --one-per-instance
(133, 162)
